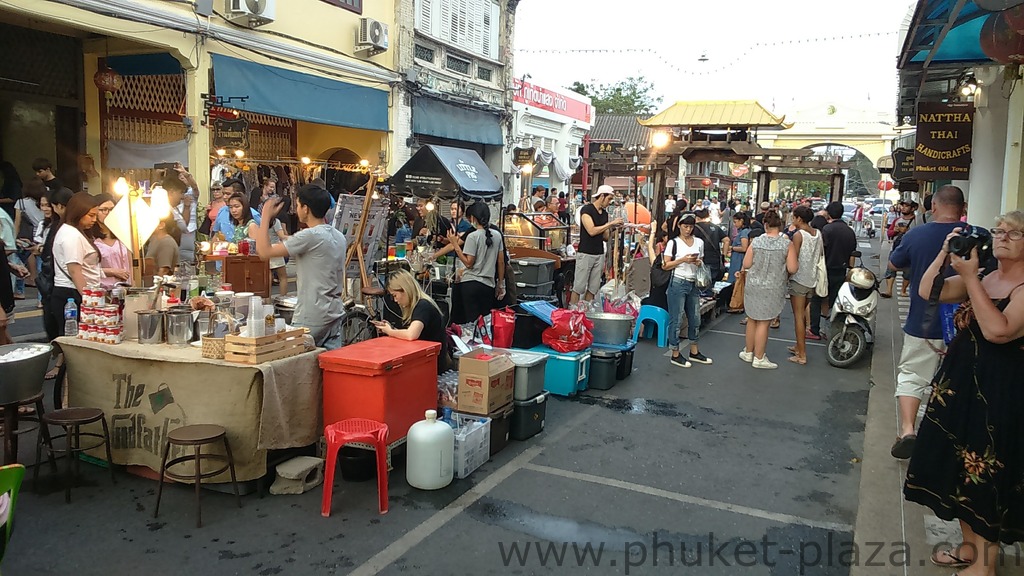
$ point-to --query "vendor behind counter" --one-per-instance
(421, 316)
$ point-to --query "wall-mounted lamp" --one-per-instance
(305, 160)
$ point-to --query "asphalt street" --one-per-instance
(722, 469)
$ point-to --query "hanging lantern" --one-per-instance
(706, 182)
(885, 185)
(108, 80)
(1000, 42)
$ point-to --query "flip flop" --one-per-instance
(797, 360)
(954, 561)
(792, 350)
(885, 295)
(52, 373)
(775, 323)
(904, 447)
(743, 322)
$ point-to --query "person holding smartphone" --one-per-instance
(421, 316)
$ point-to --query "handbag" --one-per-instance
(736, 302)
(660, 276)
(821, 277)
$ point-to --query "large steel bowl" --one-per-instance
(284, 306)
(610, 328)
(23, 378)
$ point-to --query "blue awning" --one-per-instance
(961, 44)
(436, 118)
(287, 94)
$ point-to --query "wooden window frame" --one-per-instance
(350, 5)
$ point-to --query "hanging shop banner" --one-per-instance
(604, 148)
(552, 101)
(231, 133)
(523, 156)
(903, 164)
(944, 133)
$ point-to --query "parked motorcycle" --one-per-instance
(853, 318)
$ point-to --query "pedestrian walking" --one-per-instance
(765, 264)
(840, 243)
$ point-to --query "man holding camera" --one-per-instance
(922, 342)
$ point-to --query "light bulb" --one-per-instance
(306, 160)
(375, 196)
(527, 168)
(221, 152)
(364, 163)
(430, 206)
(660, 139)
(159, 202)
(239, 153)
(121, 186)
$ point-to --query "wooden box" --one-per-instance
(245, 350)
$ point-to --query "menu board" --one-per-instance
(346, 220)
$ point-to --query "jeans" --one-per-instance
(683, 296)
(836, 277)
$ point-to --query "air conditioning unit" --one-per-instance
(372, 36)
(251, 13)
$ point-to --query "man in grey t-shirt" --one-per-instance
(319, 251)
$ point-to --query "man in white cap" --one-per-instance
(594, 227)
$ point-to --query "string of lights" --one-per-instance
(706, 71)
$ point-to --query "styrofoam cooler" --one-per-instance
(565, 373)
(533, 270)
(528, 417)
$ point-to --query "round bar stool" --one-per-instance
(71, 420)
(197, 435)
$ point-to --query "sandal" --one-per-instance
(885, 295)
(946, 559)
(775, 323)
(797, 360)
(743, 322)
(792, 350)
(52, 373)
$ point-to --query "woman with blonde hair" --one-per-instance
(421, 317)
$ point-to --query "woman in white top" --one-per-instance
(76, 261)
(683, 254)
(807, 247)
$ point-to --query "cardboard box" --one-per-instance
(486, 381)
(472, 443)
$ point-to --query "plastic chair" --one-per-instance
(10, 483)
(659, 316)
(356, 430)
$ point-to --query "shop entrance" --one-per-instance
(41, 99)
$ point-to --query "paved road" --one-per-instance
(722, 467)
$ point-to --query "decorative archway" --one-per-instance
(342, 181)
(862, 177)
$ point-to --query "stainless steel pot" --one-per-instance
(284, 306)
(151, 326)
(610, 328)
(23, 378)
(179, 326)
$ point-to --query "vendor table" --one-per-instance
(147, 390)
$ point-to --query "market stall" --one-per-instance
(147, 390)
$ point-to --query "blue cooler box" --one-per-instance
(565, 373)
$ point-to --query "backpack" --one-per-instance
(45, 277)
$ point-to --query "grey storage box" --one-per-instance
(604, 364)
(528, 417)
(529, 374)
(533, 270)
(532, 290)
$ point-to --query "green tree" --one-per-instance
(630, 96)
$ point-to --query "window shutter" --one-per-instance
(424, 16)
(444, 31)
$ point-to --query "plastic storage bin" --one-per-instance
(501, 422)
(529, 373)
(528, 417)
(625, 367)
(565, 373)
(383, 379)
(533, 270)
(534, 290)
(472, 443)
(528, 330)
(604, 363)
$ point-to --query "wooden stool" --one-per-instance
(12, 428)
(197, 435)
(71, 420)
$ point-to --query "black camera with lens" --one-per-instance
(972, 237)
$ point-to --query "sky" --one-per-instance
(787, 54)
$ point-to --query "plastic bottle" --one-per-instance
(430, 455)
(71, 318)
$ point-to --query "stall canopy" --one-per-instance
(446, 172)
(288, 94)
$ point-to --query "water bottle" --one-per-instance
(71, 318)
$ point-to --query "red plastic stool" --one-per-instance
(356, 430)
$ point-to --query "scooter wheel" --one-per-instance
(846, 347)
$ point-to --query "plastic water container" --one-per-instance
(430, 454)
(70, 318)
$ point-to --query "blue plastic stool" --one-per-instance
(659, 316)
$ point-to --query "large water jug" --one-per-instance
(430, 453)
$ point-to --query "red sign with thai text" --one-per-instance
(545, 99)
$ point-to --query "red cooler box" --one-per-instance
(384, 379)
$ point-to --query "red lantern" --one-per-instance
(108, 80)
(1000, 42)
(885, 185)
(1015, 18)
(706, 182)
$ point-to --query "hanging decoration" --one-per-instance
(108, 81)
(1000, 42)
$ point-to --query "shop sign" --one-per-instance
(231, 133)
(604, 148)
(523, 156)
(944, 133)
(903, 164)
(423, 180)
(526, 93)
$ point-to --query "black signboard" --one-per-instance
(523, 156)
(231, 134)
(604, 148)
(903, 164)
(944, 133)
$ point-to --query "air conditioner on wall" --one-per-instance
(251, 13)
(372, 36)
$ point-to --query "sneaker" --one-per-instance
(700, 358)
(764, 363)
(681, 361)
(746, 356)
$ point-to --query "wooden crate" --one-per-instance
(244, 350)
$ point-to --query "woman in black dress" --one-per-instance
(421, 317)
(968, 461)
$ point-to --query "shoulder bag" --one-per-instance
(821, 273)
(659, 276)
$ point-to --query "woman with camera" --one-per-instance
(968, 460)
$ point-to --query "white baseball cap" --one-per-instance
(604, 189)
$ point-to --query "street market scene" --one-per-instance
(490, 286)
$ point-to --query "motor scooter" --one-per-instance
(869, 228)
(853, 317)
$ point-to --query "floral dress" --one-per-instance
(968, 461)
